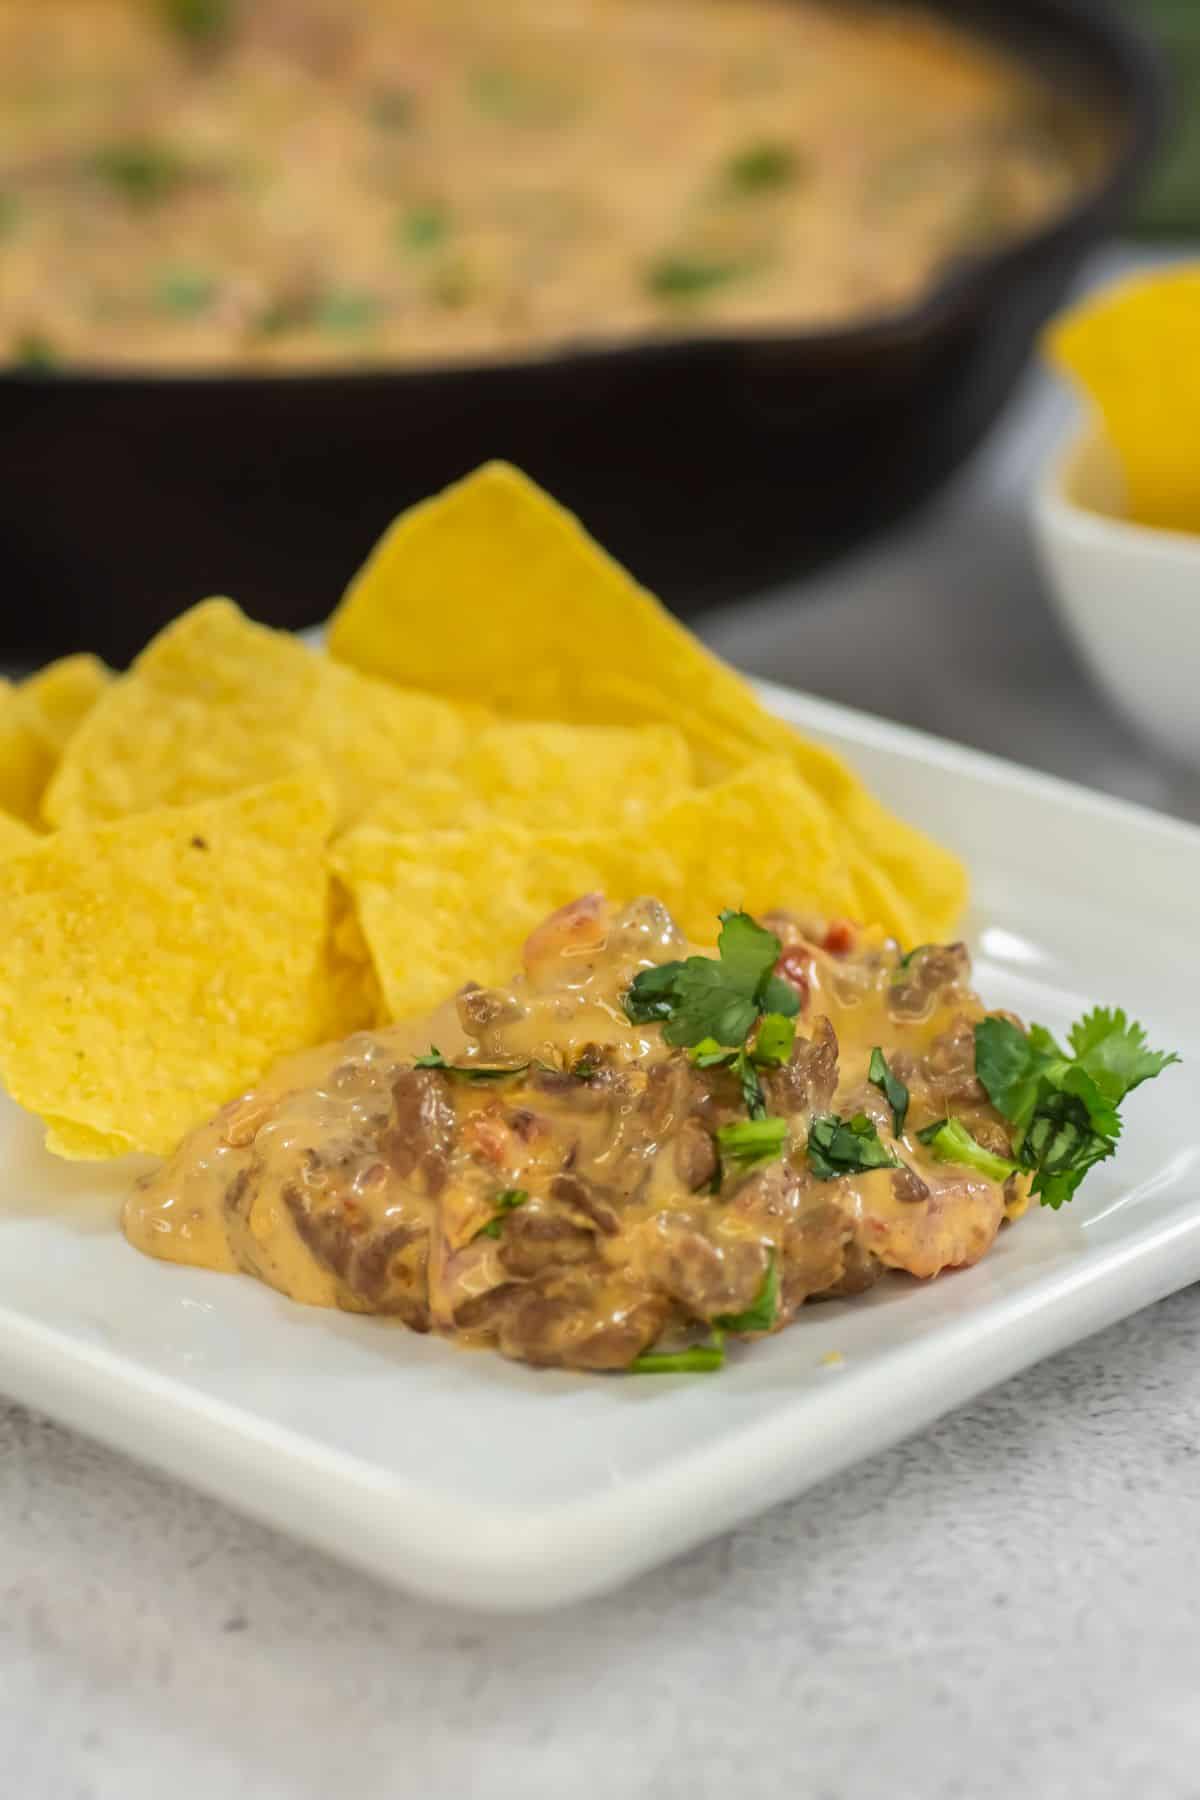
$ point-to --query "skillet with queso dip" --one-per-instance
(505, 968)
(288, 183)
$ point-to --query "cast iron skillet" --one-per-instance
(711, 466)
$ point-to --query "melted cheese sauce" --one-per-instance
(352, 1179)
(334, 181)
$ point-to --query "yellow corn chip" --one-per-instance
(442, 908)
(216, 703)
(493, 591)
(1135, 350)
(55, 701)
(25, 762)
(353, 1001)
(15, 836)
(157, 966)
(547, 776)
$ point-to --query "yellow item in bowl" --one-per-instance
(1135, 351)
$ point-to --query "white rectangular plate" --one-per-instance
(478, 1481)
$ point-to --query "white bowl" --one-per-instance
(1128, 594)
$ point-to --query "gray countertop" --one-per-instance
(1000, 1606)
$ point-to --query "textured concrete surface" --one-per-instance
(1006, 1605)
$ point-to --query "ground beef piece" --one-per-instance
(932, 973)
(706, 1278)
(384, 1267)
(948, 1068)
(563, 1327)
(668, 1096)
(808, 1083)
(534, 1238)
(421, 1132)
(908, 1186)
(816, 1253)
(695, 1155)
(588, 1198)
(992, 1135)
(481, 1009)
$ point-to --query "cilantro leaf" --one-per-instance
(779, 996)
(773, 1045)
(198, 21)
(1064, 1107)
(433, 1059)
(839, 1147)
(654, 994)
(890, 1086)
(748, 952)
(701, 1359)
(764, 1310)
(506, 1202)
(760, 167)
(708, 1006)
(1010, 1066)
(753, 1098)
(951, 1142)
(1114, 1053)
(715, 997)
(752, 1141)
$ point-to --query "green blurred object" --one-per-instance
(1171, 205)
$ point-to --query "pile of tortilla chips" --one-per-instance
(245, 845)
(1133, 350)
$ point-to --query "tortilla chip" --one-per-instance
(1132, 349)
(55, 701)
(157, 966)
(352, 997)
(15, 837)
(493, 591)
(550, 777)
(216, 703)
(25, 762)
(439, 909)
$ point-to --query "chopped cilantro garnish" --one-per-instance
(839, 1147)
(1064, 1106)
(678, 277)
(708, 1054)
(700, 1359)
(187, 292)
(752, 1141)
(762, 1314)
(717, 997)
(891, 1087)
(433, 1059)
(424, 227)
(142, 171)
(200, 22)
(506, 1202)
(771, 1048)
(951, 1142)
(907, 958)
(34, 352)
(776, 1036)
(762, 167)
(346, 310)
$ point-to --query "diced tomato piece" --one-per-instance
(839, 939)
(793, 967)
